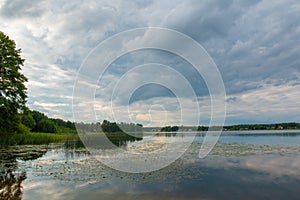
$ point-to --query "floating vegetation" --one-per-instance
(11, 176)
(71, 164)
(67, 164)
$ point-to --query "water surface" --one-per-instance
(243, 165)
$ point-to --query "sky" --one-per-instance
(255, 45)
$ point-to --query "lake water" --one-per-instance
(243, 165)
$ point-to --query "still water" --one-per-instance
(243, 165)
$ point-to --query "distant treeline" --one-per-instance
(169, 129)
(36, 121)
(39, 122)
(109, 127)
(278, 126)
(117, 133)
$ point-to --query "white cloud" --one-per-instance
(267, 104)
(255, 45)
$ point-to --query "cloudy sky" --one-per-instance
(256, 47)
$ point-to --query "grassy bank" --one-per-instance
(35, 138)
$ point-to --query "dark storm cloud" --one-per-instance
(249, 42)
(20, 8)
(255, 45)
(150, 91)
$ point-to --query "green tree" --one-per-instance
(169, 129)
(110, 127)
(27, 119)
(46, 126)
(202, 128)
(38, 116)
(105, 126)
(12, 89)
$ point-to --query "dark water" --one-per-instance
(241, 166)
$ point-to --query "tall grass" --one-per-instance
(35, 138)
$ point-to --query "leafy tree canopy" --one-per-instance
(12, 89)
(169, 129)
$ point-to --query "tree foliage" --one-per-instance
(46, 126)
(240, 127)
(12, 89)
(278, 126)
(111, 127)
(169, 129)
(108, 126)
(27, 119)
(202, 128)
(42, 123)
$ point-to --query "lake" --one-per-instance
(243, 165)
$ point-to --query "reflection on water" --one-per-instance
(121, 139)
(11, 184)
(103, 140)
(11, 177)
(167, 134)
(213, 178)
(277, 137)
(260, 169)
